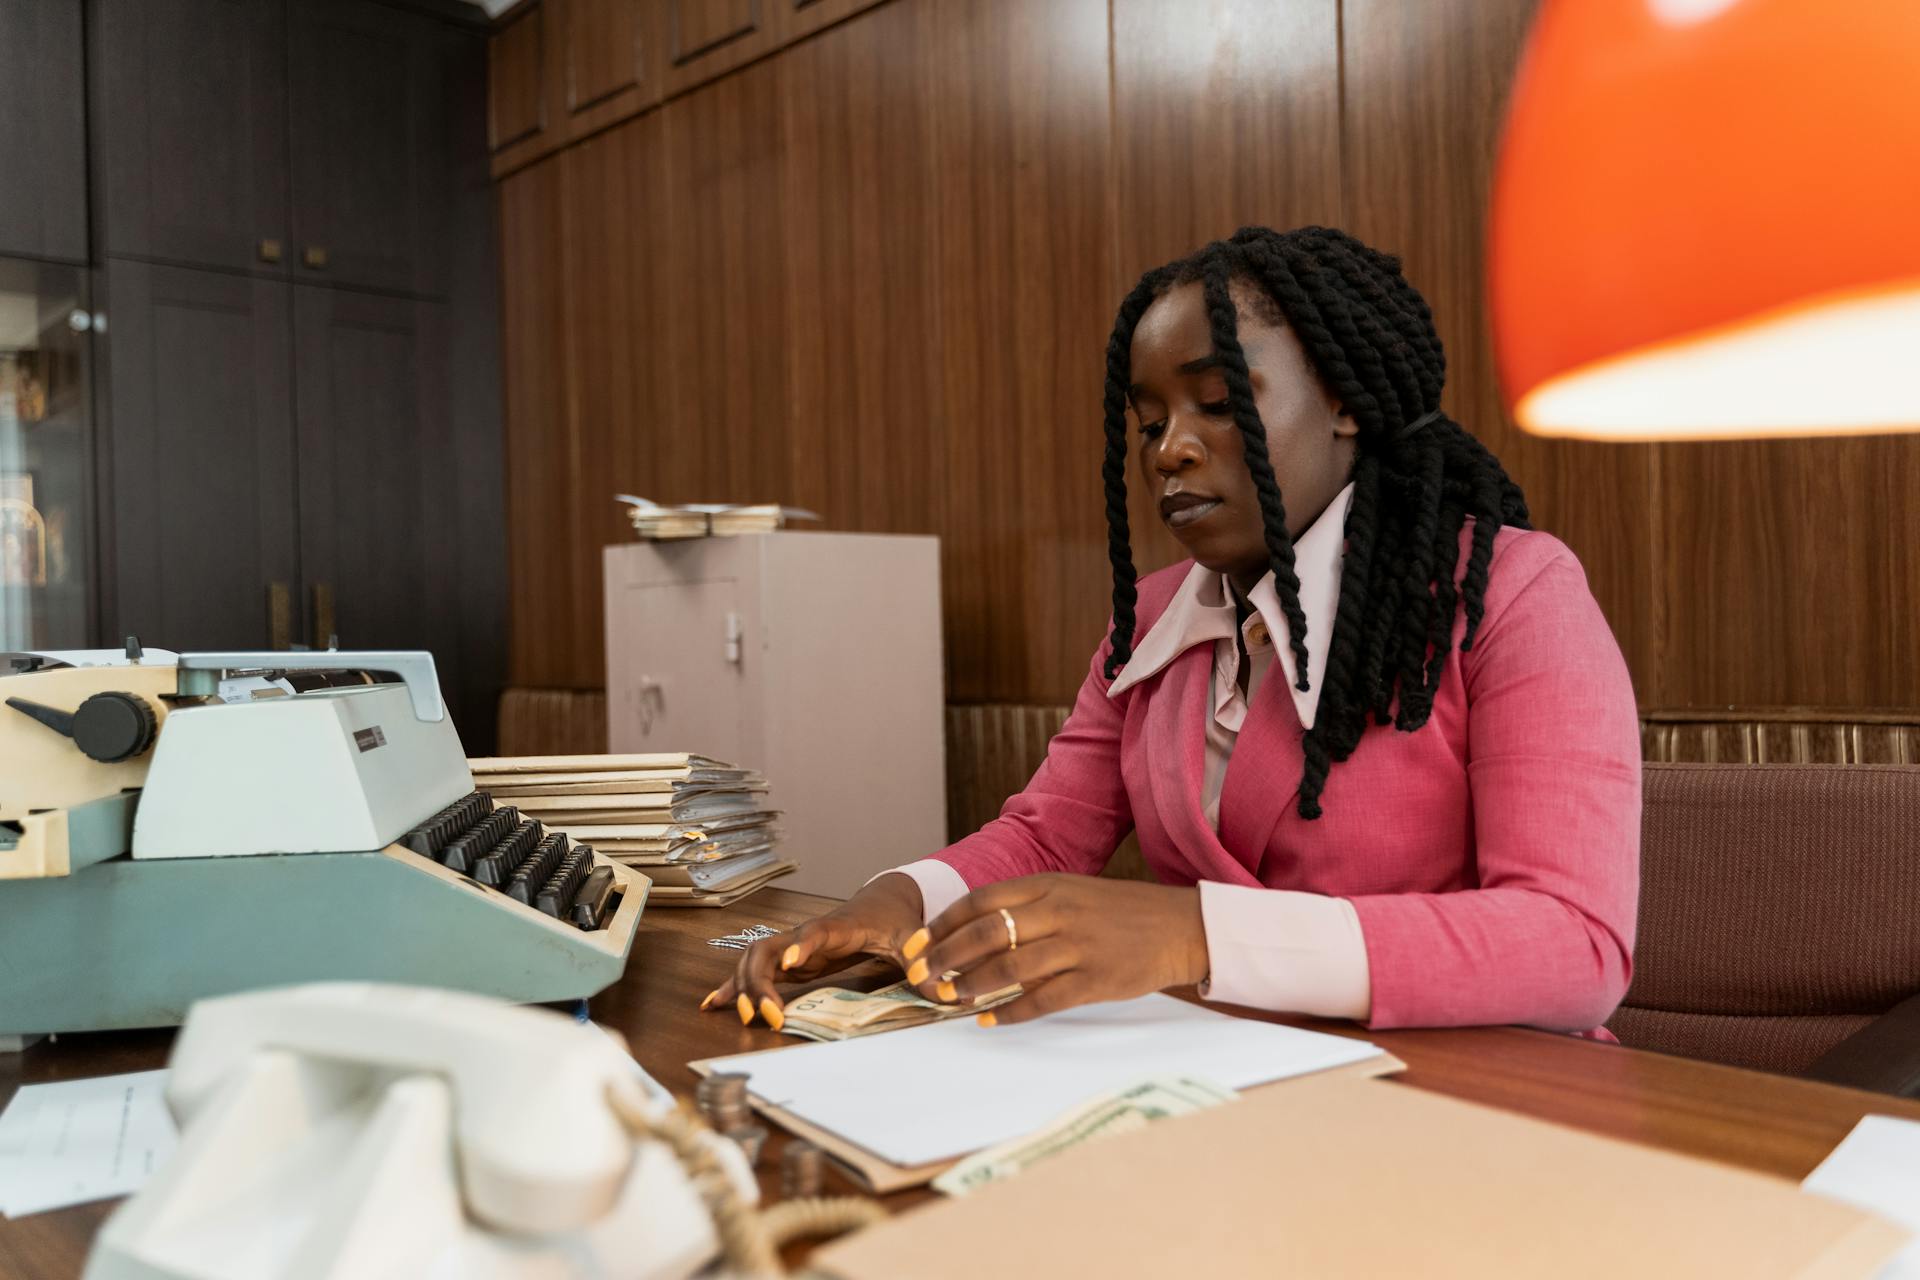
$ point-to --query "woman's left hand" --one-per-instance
(1081, 939)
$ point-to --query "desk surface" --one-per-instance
(1770, 1123)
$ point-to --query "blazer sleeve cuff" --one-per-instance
(1285, 951)
(940, 885)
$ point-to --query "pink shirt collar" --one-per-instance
(1201, 611)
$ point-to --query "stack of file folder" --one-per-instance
(694, 826)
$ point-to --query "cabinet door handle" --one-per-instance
(325, 635)
(270, 251)
(650, 698)
(279, 616)
(315, 257)
(733, 637)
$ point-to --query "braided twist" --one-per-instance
(1113, 469)
(1253, 435)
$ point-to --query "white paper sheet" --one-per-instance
(1877, 1168)
(948, 1089)
(81, 1140)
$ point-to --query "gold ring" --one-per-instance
(1013, 933)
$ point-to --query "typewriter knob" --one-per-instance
(111, 727)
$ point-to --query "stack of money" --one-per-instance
(1155, 1098)
(834, 1013)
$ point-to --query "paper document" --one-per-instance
(940, 1091)
(81, 1140)
(1877, 1168)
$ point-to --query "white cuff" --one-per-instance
(940, 885)
(1285, 951)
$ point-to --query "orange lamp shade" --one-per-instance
(1706, 220)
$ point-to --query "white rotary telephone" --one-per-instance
(360, 1130)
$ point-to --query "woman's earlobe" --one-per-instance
(1344, 426)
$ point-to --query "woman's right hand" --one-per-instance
(877, 921)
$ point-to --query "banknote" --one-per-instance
(834, 1013)
(1134, 1107)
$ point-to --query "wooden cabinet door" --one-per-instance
(190, 124)
(369, 136)
(381, 496)
(804, 17)
(708, 38)
(562, 69)
(611, 60)
(43, 144)
(200, 437)
(517, 89)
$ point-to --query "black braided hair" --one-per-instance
(1114, 469)
(1370, 337)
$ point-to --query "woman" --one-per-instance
(1379, 746)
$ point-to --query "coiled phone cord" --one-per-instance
(750, 1240)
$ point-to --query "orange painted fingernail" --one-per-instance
(918, 973)
(987, 1020)
(745, 1006)
(711, 997)
(916, 944)
(790, 957)
(771, 1012)
(946, 992)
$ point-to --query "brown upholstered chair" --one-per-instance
(1780, 920)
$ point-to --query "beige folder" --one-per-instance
(667, 895)
(881, 1177)
(1327, 1178)
(718, 876)
(583, 785)
(494, 766)
(617, 807)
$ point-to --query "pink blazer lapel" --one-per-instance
(1176, 729)
(1263, 774)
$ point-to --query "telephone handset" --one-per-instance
(369, 1130)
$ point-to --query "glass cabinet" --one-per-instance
(46, 456)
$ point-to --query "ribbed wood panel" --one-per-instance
(1788, 736)
(993, 748)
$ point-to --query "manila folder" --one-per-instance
(1352, 1177)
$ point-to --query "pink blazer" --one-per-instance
(1493, 856)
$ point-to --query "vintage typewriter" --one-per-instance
(181, 826)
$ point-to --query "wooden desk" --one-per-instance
(1773, 1124)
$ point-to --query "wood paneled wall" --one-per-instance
(868, 275)
(872, 273)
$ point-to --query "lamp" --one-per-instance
(1706, 220)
